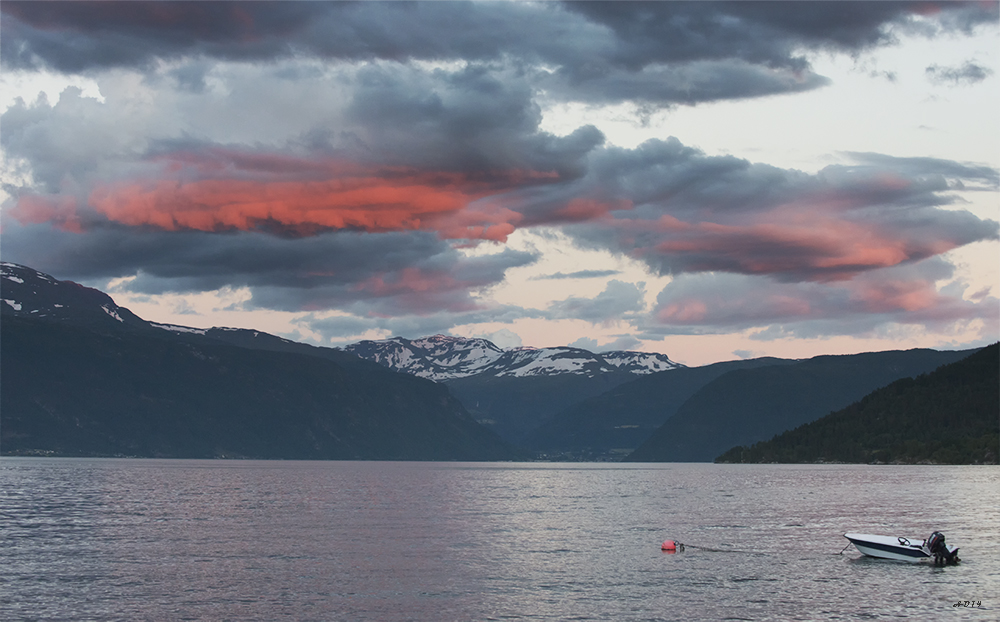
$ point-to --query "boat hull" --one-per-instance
(889, 547)
(901, 549)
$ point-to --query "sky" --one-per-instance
(708, 180)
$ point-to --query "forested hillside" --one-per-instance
(747, 406)
(949, 416)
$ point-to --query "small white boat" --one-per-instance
(905, 549)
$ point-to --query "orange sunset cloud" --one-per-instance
(246, 191)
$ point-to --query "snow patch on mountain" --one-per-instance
(112, 313)
(179, 329)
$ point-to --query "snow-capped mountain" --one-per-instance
(437, 358)
(30, 293)
(448, 358)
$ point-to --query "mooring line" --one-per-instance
(705, 548)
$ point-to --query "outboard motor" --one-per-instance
(936, 545)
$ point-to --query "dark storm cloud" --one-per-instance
(660, 53)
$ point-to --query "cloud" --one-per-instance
(502, 338)
(619, 300)
(623, 342)
(661, 53)
(906, 295)
(584, 343)
(346, 197)
(343, 156)
(333, 329)
(368, 274)
(579, 274)
(689, 212)
(156, 197)
(967, 73)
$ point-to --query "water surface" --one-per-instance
(107, 539)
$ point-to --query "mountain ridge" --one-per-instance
(744, 406)
(948, 416)
(85, 377)
(561, 403)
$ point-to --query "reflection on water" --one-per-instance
(211, 540)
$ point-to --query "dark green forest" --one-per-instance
(948, 416)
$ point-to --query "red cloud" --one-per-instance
(208, 205)
(810, 244)
(220, 189)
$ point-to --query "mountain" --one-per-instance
(948, 416)
(29, 293)
(515, 406)
(258, 340)
(511, 390)
(614, 423)
(444, 358)
(83, 376)
(744, 406)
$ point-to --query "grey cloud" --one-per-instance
(686, 83)
(619, 300)
(663, 53)
(688, 212)
(468, 120)
(471, 119)
(932, 168)
(580, 274)
(199, 261)
(903, 295)
(968, 73)
(341, 330)
(320, 272)
(444, 281)
(770, 32)
(71, 138)
(662, 196)
(76, 36)
(585, 343)
(622, 342)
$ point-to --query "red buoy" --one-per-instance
(669, 545)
